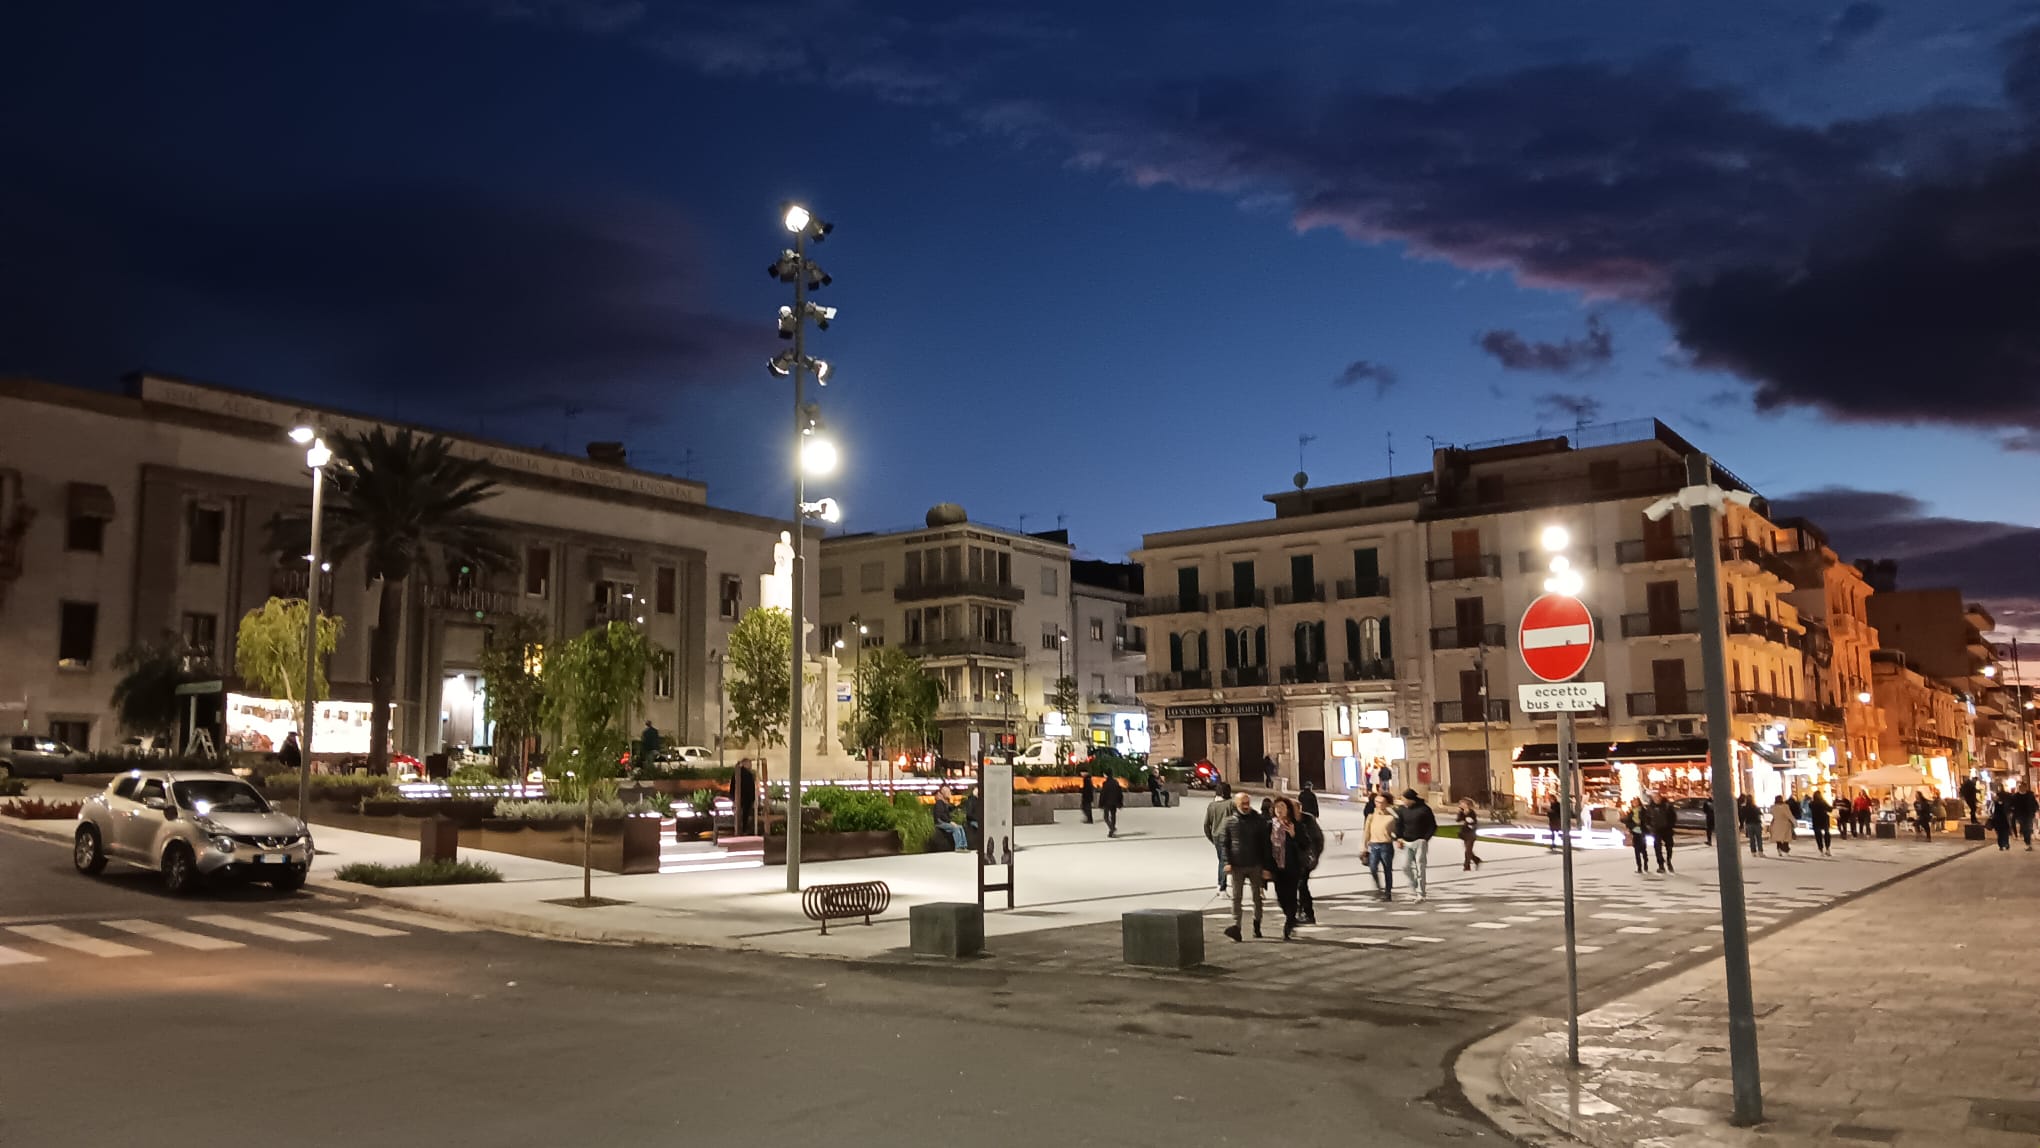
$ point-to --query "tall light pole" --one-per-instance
(1567, 581)
(1703, 499)
(1062, 674)
(316, 458)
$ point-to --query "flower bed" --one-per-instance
(422, 873)
(36, 809)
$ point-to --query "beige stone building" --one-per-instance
(1833, 601)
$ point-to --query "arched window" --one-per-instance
(1175, 653)
(1244, 639)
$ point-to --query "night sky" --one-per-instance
(1101, 261)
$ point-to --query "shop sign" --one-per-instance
(1558, 697)
(1221, 709)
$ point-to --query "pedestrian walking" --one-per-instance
(1469, 832)
(1817, 813)
(1090, 795)
(1384, 777)
(2024, 807)
(1632, 823)
(1923, 816)
(2001, 820)
(1552, 813)
(1111, 800)
(1781, 825)
(1221, 807)
(1751, 823)
(1285, 853)
(1863, 813)
(1968, 793)
(1415, 825)
(1664, 831)
(290, 753)
(1708, 812)
(1268, 770)
(1306, 802)
(1244, 841)
(648, 744)
(1380, 846)
(1313, 848)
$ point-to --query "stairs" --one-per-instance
(701, 856)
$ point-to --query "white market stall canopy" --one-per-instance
(1889, 776)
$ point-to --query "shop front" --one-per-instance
(1611, 774)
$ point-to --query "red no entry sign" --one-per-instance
(1556, 637)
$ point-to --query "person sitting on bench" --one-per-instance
(943, 808)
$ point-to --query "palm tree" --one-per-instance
(403, 502)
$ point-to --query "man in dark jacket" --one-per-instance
(1553, 813)
(1090, 795)
(1244, 841)
(1312, 836)
(1968, 793)
(1221, 807)
(1415, 825)
(1154, 782)
(1664, 828)
(1709, 812)
(290, 754)
(2024, 807)
(1307, 800)
(1111, 800)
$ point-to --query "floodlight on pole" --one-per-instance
(817, 455)
(302, 434)
(1555, 538)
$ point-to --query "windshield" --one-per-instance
(222, 796)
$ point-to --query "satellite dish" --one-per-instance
(1300, 479)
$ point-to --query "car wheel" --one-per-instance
(290, 882)
(180, 870)
(86, 853)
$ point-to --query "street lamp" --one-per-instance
(317, 455)
(811, 452)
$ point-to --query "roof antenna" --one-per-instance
(1390, 435)
(1023, 530)
(1300, 478)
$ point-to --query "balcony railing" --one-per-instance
(1749, 552)
(1631, 551)
(1660, 625)
(1307, 592)
(1774, 705)
(464, 601)
(1468, 637)
(963, 647)
(1652, 704)
(1376, 587)
(1244, 676)
(1462, 567)
(981, 705)
(956, 588)
(1372, 671)
(1745, 624)
(1462, 712)
(1126, 645)
(1176, 680)
(1305, 673)
(289, 582)
(1168, 604)
(1242, 599)
(1539, 561)
(1826, 715)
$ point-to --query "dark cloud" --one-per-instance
(1849, 28)
(1997, 563)
(1576, 409)
(1566, 357)
(1366, 371)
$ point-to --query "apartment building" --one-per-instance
(1108, 653)
(128, 515)
(1833, 598)
(1926, 722)
(1943, 638)
(984, 609)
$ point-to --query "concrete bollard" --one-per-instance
(1163, 938)
(950, 929)
(438, 839)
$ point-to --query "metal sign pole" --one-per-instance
(1565, 821)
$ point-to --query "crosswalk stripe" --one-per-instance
(418, 920)
(16, 957)
(77, 942)
(260, 928)
(158, 931)
(340, 923)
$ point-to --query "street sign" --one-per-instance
(1556, 637)
(1562, 697)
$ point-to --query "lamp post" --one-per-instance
(1567, 581)
(316, 457)
(1062, 674)
(810, 454)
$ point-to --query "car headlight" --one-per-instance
(223, 844)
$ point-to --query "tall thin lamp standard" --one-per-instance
(316, 457)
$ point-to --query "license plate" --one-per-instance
(270, 858)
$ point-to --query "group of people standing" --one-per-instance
(2011, 811)
(1278, 844)
(1656, 824)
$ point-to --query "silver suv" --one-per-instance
(191, 826)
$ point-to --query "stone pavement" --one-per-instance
(1904, 1017)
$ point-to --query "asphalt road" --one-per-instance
(245, 1017)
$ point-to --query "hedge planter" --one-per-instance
(621, 844)
(835, 846)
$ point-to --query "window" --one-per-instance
(874, 635)
(616, 601)
(1097, 629)
(913, 567)
(205, 528)
(125, 787)
(77, 630)
(832, 581)
(1098, 685)
(1051, 636)
(202, 632)
(662, 676)
(1302, 577)
(152, 788)
(915, 628)
(85, 533)
(665, 589)
(871, 576)
(831, 634)
(732, 597)
(537, 570)
(1049, 580)
(76, 734)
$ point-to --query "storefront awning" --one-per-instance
(1683, 749)
(89, 500)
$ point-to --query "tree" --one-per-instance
(403, 503)
(594, 688)
(145, 697)
(1065, 700)
(513, 671)
(269, 650)
(760, 670)
(897, 702)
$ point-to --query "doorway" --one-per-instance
(1252, 747)
(1194, 747)
(1310, 757)
(1466, 774)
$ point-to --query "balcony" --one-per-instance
(1653, 704)
(1109, 698)
(1242, 599)
(458, 600)
(289, 582)
(1829, 715)
(1772, 705)
(1373, 671)
(1747, 552)
(965, 647)
(925, 589)
(1129, 645)
(1660, 625)
(1462, 568)
(1305, 674)
(1350, 588)
(1539, 561)
(1294, 595)
(1244, 676)
(1743, 624)
(1177, 680)
(1636, 551)
(1467, 637)
(1168, 604)
(998, 706)
(1463, 713)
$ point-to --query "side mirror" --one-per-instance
(169, 812)
(155, 802)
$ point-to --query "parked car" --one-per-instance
(1043, 753)
(1691, 812)
(191, 826)
(684, 755)
(29, 755)
(145, 745)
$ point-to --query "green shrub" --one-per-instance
(509, 810)
(419, 873)
(674, 771)
(702, 801)
(344, 787)
(915, 824)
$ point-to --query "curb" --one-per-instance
(1480, 1072)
